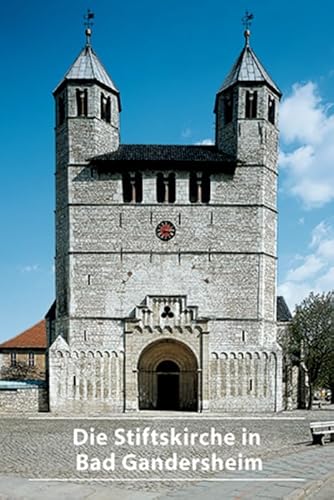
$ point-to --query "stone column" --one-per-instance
(205, 371)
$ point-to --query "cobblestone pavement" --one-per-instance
(44, 449)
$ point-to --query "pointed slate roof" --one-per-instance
(87, 66)
(248, 68)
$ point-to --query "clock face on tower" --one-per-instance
(165, 230)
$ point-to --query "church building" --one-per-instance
(165, 254)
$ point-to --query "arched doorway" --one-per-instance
(167, 377)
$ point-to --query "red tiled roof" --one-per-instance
(33, 337)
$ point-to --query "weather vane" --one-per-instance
(88, 18)
(247, 20)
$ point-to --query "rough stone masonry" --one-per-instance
(165, 255)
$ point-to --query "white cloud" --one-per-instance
(205, 142)
(186, 133)
(307, 155)
(29, 268)
(315, 270)
(311, 266)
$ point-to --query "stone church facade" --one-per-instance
(165, 255)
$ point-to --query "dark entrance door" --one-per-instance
(168, 383)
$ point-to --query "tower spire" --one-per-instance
(88, 23)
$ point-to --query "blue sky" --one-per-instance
(168, 59)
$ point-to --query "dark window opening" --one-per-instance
(251, 104)
(132, 188)
(205, 188)
(13, 359)
(127, 189)
(271, 110)
(82, 102)
(193, 192)
(31, 360)
(171, 188)
(105, 108)
(199, 188)
(228, 108)
(160, 188)
(61, 110)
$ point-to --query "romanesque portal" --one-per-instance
(168, 377)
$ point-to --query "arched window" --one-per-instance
(199, 187)
(105, 108)
(166, 188)
(271, 109)
(251, 104)
(132, 187)
(82, 102)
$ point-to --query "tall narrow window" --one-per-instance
(31, 360)
(132, 188)
(105, 108)
(205, 188)
(228, 108)
(82, 102)
(171, 188)
(271, 109)
(166, 188)
(138, 198)
(251, 104)
(193, 192)
(61, 110)
(127, 188)
(160, 188)
(13, 359)
(199, 187)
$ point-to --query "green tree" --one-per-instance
(311, 337)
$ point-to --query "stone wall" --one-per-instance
(28, 399)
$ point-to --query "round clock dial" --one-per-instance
(165, 230)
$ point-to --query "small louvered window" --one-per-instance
(251, 104)
(228, 108)
(13, 359)
(31, 360)
(82, 102)
(61, 110)
(271, 109)
(105, 108)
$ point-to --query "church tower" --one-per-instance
(246, 111)
(87, 123)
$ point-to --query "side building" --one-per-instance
(24, 356)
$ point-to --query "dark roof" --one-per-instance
(165, 153)
(51, 314)
(33, 338)
(283, 311)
